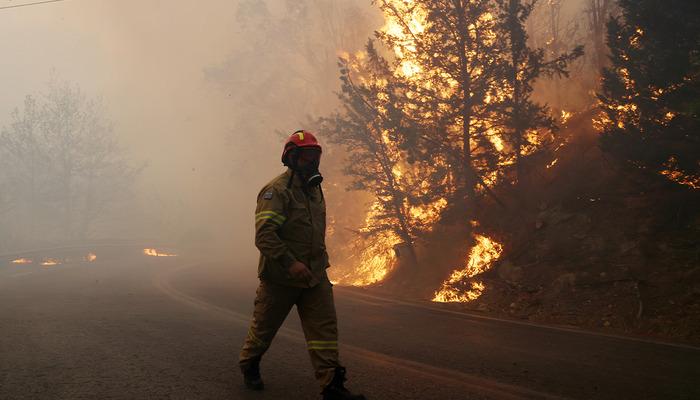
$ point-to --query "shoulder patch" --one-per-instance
(267, 195)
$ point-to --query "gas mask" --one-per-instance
(305, 161)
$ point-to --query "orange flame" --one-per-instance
(50, 262)
(565, 116)
(155, 253)
(372, 263)
(480, 259)
(90, 257)
(395, 28)
(376, 261)
(22, 261)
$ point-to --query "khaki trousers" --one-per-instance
(317, 313)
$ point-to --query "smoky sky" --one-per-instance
(167, 72)
(147, 61)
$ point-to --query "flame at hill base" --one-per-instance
(50, 262)
(156, 253)
(373, 262)
(480, 259)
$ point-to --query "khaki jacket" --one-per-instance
(290, 225)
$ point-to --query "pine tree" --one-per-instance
(447, 59)
(367, 127)
(648, 100)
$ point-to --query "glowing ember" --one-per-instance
(156, 253)
(481, 257)
(50, 262)
(553, 163)
(673, 173)
(533, 140)
(565, 116)
(669, 116)
(90, 257)
(22, 261)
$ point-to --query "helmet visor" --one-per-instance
(308, 157)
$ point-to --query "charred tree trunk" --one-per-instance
(556, 46)
(466, 108)
(516, 53)
(403, 229)
(598, 12)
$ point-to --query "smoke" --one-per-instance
(196, 90)
(169, 75)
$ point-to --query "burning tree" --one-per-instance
(447, 58)
(62, 160)
(649, 95)
(408, 195)
(525, 121)
(442, 117)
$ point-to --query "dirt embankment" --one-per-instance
(589, 243)
(597, 245)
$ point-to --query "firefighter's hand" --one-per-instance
(300, 271)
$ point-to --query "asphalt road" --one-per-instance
(133, 327)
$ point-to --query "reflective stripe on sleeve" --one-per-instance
(271, 215)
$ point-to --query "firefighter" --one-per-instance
(290, 225)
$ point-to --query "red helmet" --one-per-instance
(299, 138)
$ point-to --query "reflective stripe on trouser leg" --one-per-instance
(317, 313)
(272, 304)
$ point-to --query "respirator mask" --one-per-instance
(305, 162)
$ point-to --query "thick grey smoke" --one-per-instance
(196, 90)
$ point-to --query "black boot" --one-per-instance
(251, 375)
(336, 389)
